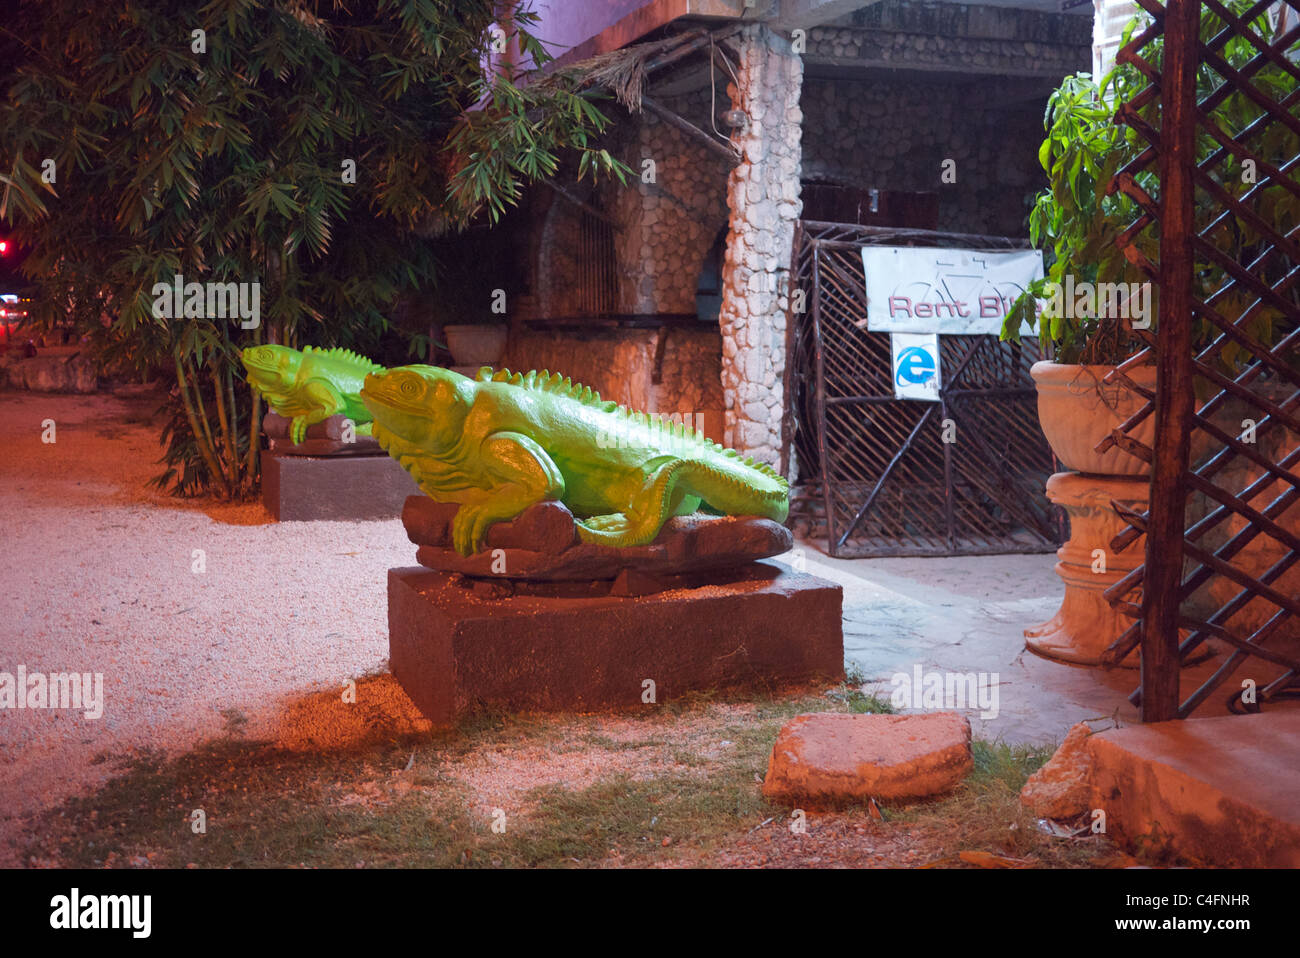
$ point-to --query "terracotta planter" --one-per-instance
(1086, 624)
(1077, 409)
(476, 345)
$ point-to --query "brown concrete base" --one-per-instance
(453, 649)
(334, 487)
(1221, 791)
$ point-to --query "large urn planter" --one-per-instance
(1077, 409)
(479, 344)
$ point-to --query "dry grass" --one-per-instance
(374, 786)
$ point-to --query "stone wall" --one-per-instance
(895, 134)
(619, 364)
(663, 229)
(763, 198)
(898, 88)
(554, 292)
(967, 38)
(667, 227)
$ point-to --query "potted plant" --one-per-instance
(1082, 310)
(470, 304)
(476, 344)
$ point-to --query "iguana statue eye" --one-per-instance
(410, 387)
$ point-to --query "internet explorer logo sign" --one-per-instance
(915, 366)
(917, 371)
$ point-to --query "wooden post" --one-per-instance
(1175, 404)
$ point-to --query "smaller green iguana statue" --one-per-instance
(311, 385)
(501, 442)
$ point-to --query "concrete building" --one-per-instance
(671, 293)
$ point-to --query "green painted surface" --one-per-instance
(503, 441)
(310, 385)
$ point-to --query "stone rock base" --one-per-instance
(299, 488)
(1061, 789)
(324, 438)
(832, 758)
(542, 544)
(454, 647)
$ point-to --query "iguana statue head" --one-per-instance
(424, 405)
(272, 370)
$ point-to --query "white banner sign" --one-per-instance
(916, 365)
(931, 290)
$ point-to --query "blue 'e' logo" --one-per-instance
(915, 365)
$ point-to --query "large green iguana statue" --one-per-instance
(501, 442)
(311, 385)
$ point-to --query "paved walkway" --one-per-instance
(968, 615)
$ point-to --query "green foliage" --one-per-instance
(226, 165)
(1081, 215)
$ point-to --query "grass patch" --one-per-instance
(393, 799)
(984, 813)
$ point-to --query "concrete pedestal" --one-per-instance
(1220, 791)
(1086, 624)
(334, 487)
(452, 649)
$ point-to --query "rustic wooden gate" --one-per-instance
(1222, 522)
(877, 476)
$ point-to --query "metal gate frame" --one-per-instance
(879, 468)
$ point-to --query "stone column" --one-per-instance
(763, 200)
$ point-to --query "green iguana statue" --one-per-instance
(311, 385)
(503, 441)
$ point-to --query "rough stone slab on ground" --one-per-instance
(829, 758)
(50, 373)
(541, 544)
(1220, 791)
(1062, 788)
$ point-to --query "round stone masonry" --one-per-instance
(829, 759)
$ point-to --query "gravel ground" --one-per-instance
(98, 576)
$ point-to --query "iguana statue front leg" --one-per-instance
(519, 473)
(324, 401)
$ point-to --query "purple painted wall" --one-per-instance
(566, 23)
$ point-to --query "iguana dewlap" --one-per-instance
(310, 386)
(501, 442)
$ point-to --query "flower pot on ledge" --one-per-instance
(1077, 408)
(479, 344)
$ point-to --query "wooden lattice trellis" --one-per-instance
(1208, 344)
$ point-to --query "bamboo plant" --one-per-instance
(312, 147)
